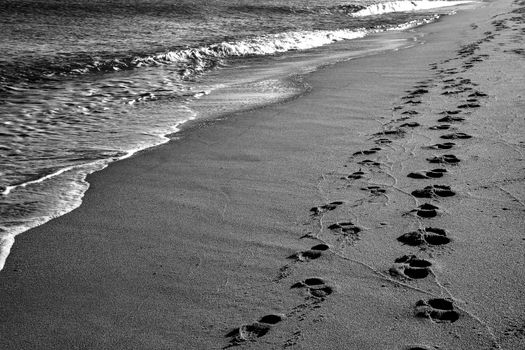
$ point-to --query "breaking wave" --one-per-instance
(402, 6)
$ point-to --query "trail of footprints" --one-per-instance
(316, 290)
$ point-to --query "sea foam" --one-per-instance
(402, 6)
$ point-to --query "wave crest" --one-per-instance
(403, 6)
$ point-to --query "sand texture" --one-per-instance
(382, 210)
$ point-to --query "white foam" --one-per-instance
(403, 6)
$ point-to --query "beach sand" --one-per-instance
(286, 226)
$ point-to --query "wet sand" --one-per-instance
(319, 223)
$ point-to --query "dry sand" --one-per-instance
(189, 245)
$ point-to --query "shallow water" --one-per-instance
(79, 80)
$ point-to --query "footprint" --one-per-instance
(394, 132)
(367, 152)
(469, 105)
(434, 173)
(315, 287)
(410, 125)
(356, 175)
(411, 267)
(311, 254)
(324, 208)
(251, 332)
(446, 145)
(345, 228)
(369, 162)
(451, 112)
(418, 92)
(410, 112)
(383, 141)
(433, 191)
(374, 190)
(450, 119)
(438, 310)
(440, 127)
(428, 235)
(444, 159)
(426, 211)
(478, 94)
(456, 135)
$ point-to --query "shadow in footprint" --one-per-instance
(394, 132)
(450, 119)
(410, 125)
(430, 174)
(311, 254)
(469, 105)
(456, 135)
(440, 127)
(324, 208)
(345, 228)
(409, 266)
(367, 152)
(374, 190)
(434, 191)
(250, 332)
(438, 310)
(445, 145)
(383, 141)
(444, 159)
(315, 287)
(355, 175)
(369, 162)
(478, 94)
(429, 235)
(426, 211)
(451, 112)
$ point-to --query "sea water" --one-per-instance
(80, 80)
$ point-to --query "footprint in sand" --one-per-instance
(445, 145)
(324, 208)
(369, 162)
(450, 119)
(315, 287)
(394, 132)
(251, 332)
(313, 253)
(409, 266)
(451, 112)
(440, 127)
(434, 191)
(367, 152)
(412, 102)
(426, 210)
(444, 159)
(410, 125)
(410, 112)
(478, 94)
(427, 174)
(355, 175)
(438, 310)
(456, 135)
(428, 235)
(383, 141)
(469, 105)
(345, 228)
(374, 190)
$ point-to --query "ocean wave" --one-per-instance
(402, 6)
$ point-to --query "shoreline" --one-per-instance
(176, 246)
